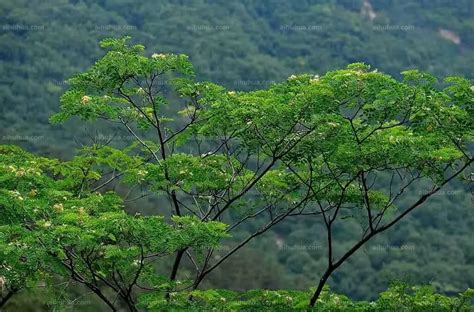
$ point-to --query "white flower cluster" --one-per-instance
(314, 79)
(58, 208)
(85, 99)
(16, 195)
(157, 56)
(20, 171)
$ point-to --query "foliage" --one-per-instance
(49, 231)
(257, 43)
(399, 297)
(243, 45)
(308, 146)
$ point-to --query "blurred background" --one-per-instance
(247, 45)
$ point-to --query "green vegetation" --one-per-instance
(342, 150)
(243, 46)
(399, 297)
(51, 228)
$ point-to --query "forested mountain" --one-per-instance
(246, 45)
(241, 44)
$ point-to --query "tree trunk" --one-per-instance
(5, 299)
(177, 261)
(318, 291)
(174, 270)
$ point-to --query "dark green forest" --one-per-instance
(245, 46)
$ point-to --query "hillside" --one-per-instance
(245, 45)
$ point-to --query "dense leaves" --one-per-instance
(247, 45)
(47, 231)
(399, 297)
(323, 146)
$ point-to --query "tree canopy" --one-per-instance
(346, 146)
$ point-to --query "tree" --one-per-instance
(399, 297)
(349, 144)
(215, 174)
(52, 228)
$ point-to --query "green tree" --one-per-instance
(309, 146)
(214, 174)
(52, 228)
